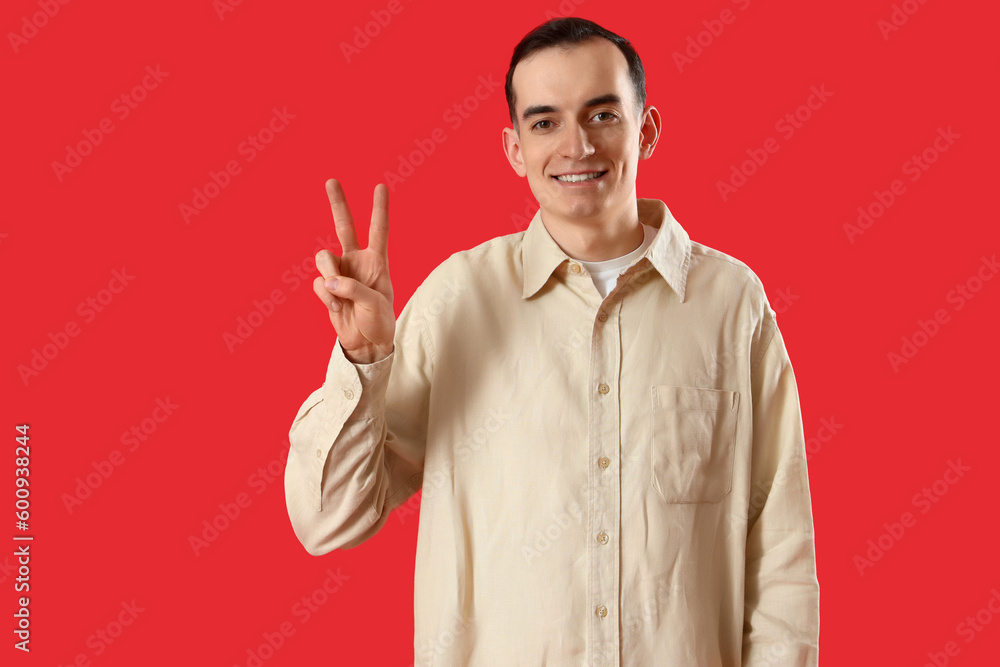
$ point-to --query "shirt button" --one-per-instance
(575, 268)
(319, 453)
(604, 461)
(348, 394)
(603, 538)
(602, 611)
(603, 388)
(602, 316)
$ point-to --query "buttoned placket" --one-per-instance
(604, 482)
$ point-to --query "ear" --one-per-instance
(512, 149)
(649, 131)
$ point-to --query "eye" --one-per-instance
(608, 114)
(538, 125)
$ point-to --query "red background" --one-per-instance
(163, 335)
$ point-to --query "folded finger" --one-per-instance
(327, 263)
(328, 299)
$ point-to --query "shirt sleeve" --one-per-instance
(781, 619)
(356, 446)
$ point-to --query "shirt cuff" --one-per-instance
(357, 389)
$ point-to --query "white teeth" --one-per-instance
(576, 178)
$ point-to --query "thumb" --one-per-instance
(353, 290)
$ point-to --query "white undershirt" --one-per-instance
(605, 273)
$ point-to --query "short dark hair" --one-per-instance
(569, 31)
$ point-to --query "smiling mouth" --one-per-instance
(579, 178)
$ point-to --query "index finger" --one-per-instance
(378, 232)
(342, 215)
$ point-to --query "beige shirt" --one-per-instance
(605, 481)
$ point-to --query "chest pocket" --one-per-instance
(692, 443)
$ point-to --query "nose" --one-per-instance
(576, 143)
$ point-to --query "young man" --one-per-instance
(600, 413)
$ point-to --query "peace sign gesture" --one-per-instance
(355, 287)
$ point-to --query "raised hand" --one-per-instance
(355, 287)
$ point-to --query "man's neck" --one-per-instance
(595, 240)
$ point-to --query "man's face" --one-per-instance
(581, 132)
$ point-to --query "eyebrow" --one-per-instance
(538, 109)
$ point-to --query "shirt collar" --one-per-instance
(669, 253)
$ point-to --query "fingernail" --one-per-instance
(332, 283)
